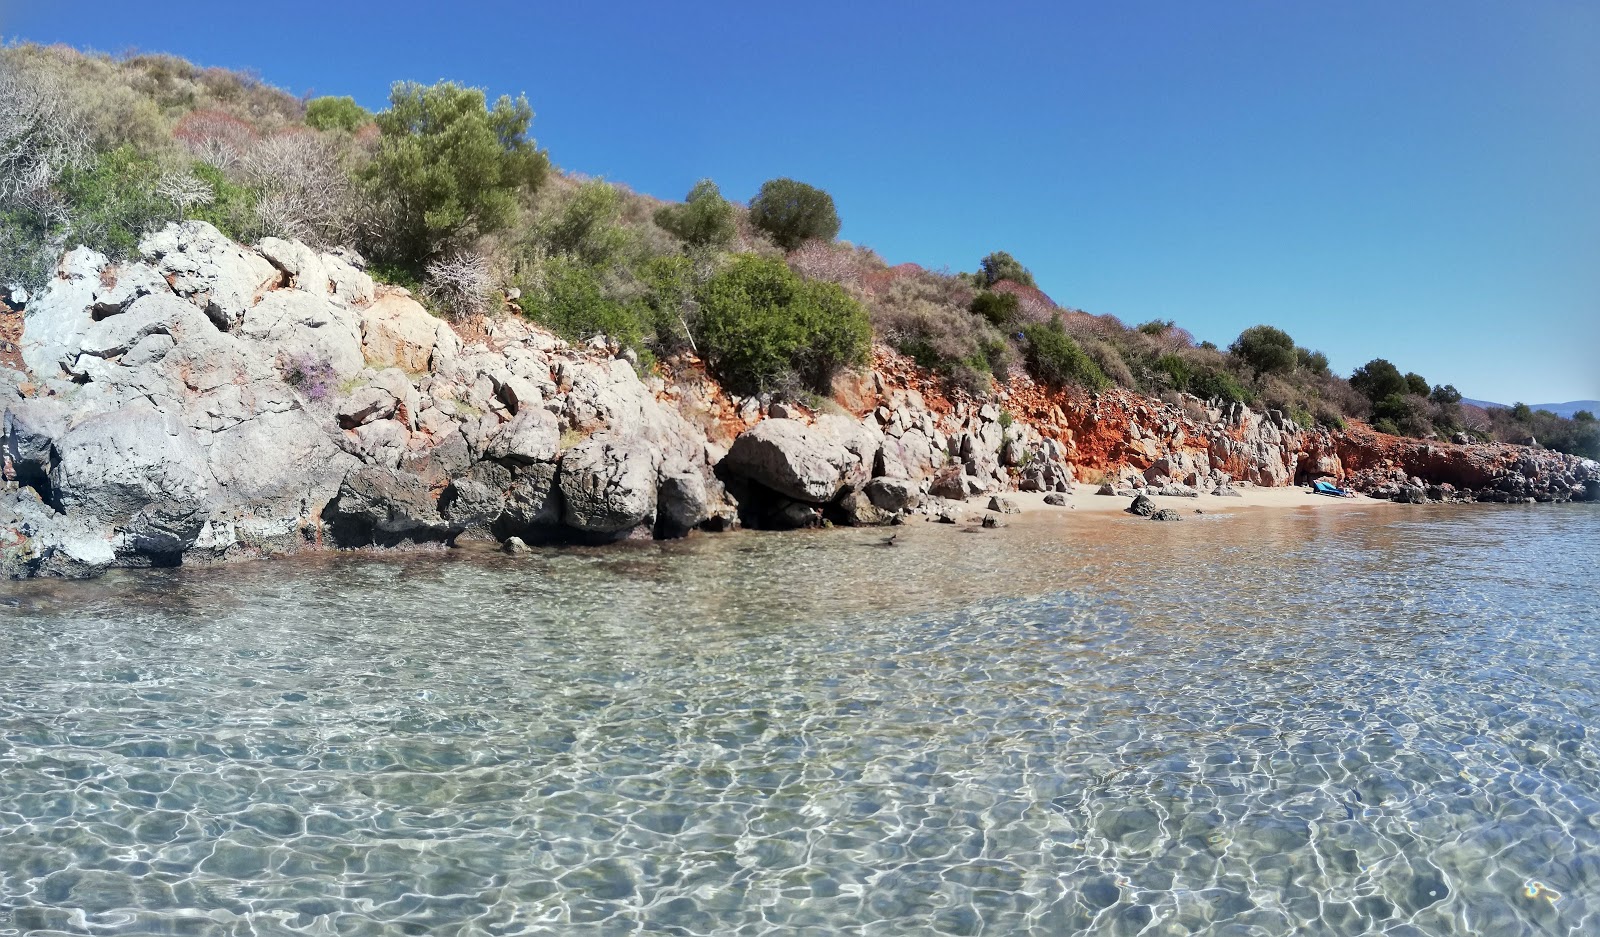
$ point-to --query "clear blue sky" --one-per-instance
(1418, 181)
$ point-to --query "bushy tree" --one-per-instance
(1378, 379)
(1416, 384)
(763, 328)
(1403, 414)
(1002, 266)
(448, 168)
(1314, 362)
(586, 225)
(1266, 350)
(1055, 359)
(1000, 309)
(341, 113)
(705, 219)
(792, 213)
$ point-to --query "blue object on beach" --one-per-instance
(1329, 488)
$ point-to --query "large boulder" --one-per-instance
(306, 329)
(376, 504)
(29, 429)
(58, 317)
(222, 278)
(608, 484)
(397, 332)
(35, 540)
(682, 502)
(139, 471)
(1142, 506)
(893, 494)
(807, 463)
(533, 435)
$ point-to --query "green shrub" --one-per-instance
(669, 294)
(1177, 370)
(705, 219)
(1002, 266)
(113, 202)
(331, 113)
(571, 302)
(232, 208)
(1408, 413)
(763, 328)
(1313, 361)
(1378, 379)
(1214, 383)
(1110, 361)
(792, 213)
(1055, 359)
(1000, 309)
(1265, 349)
(586, 225)
(447, 168)
(1156, 326)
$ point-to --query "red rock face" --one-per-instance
(1119, 432)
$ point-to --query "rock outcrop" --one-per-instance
(210, 402)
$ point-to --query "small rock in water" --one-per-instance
(1166, 514)
(1004, 505)
(1056, 499)
(514, 546)
(992, 521)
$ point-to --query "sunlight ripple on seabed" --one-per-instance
(1269, 725)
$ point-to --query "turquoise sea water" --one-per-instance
(1273, 723)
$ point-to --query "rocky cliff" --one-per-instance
(212, 402)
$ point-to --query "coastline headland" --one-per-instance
(211, 402)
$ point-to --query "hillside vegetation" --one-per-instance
(447, 193)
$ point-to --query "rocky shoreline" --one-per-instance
(214, 402)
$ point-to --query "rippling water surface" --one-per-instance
(1265, 724)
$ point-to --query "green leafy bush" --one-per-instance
(1177, 370)
(1002, 266)
(792, 213)
(1266, 350)
(705, 219)
(1378, 379)
(1000, 309)
(113, 202)
(763, 328)
(586, 227)
(1215, 383)
(231, 207)
(1314, 362)
(341, 113)
(447, 168)
(570, 301)
(1055, 359)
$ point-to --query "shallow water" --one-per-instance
(1271, 723)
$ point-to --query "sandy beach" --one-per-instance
(1084, 500)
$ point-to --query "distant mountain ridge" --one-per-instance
(1559, 409)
